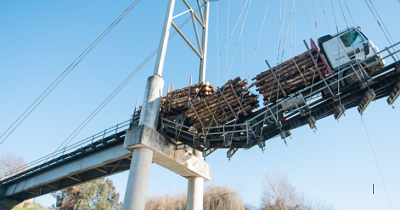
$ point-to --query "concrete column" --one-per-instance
(138, 180)
(151, 101)
(195, 193)
(139, 173)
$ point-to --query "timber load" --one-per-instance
(227, 103)
(177, 102)
(293, 75)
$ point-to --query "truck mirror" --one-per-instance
(366, 49)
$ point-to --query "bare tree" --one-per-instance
(215, 198)
(280, 194)
(10, 162)
(222, 198)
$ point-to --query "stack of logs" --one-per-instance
(230, 100)
(293, 74)
(177, 102)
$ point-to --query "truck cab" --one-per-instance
(345, 47)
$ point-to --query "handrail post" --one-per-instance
(390, 54)
(247, 133)
(104, 133)
(176, 130)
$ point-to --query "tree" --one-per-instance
(97, 194)
(280, 194)
(10, 162)
(215, 198)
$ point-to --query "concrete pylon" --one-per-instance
(138, 180)
(148, 139)
(195, 193)
(194, 198)
(139, 173)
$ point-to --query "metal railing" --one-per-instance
(227, 131)
(60, 155)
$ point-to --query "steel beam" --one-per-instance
(164, 39)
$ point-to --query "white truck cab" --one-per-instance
(344, 47)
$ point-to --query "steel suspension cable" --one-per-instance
(315, 16)
(308, 21)
(345, 20)
(334, 15)
(111, 96)
(240, 35)
(376, 162)
(283, 51)
(349, 12)
(279, 48)
(379, 24)
(226, 43)
(217, 44)
(291, 40)
(227, 49)
(316, 28)
(277, 59)
(67, 71)
(294, 26)
(258, 40)
(326, 18)
(274, 72)
(241, 5)
(219, 55)
(383, 23)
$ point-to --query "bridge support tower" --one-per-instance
(144, 139)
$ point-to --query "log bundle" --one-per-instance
(293, 75)
(177, 101)
(225, 104)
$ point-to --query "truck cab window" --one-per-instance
(351, 38)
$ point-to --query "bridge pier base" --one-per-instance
(195, 193)
(138, 180)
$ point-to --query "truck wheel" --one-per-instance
(183, 118)
(271, 120)
(256, 128)
(351, 79)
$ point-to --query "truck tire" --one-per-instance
(271, 121)
(183, 118)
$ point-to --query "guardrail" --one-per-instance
(227, 131)
(272, 112)
(49, 160)
(254, 126)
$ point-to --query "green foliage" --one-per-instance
(97, 194)
(24, 207)
(5, 207)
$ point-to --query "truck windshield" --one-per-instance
(351, 38)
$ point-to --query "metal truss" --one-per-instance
(201, 50)
(254, 130)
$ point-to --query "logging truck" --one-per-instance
(341, 49)
(349, 53)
